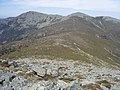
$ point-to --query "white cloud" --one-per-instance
(99, 5)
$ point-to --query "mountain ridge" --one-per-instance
(37, 20)
(79, 36)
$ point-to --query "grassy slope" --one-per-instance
(75, 46)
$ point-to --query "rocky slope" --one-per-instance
(44, 74)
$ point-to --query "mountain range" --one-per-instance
(77, 36)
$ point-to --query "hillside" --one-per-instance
(77, 36)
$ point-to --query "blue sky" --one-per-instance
(10, 8)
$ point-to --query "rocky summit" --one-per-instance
(52, 52)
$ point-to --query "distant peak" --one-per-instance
(31, 13)
(79, 14)
(34, 12)
(108, 18)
